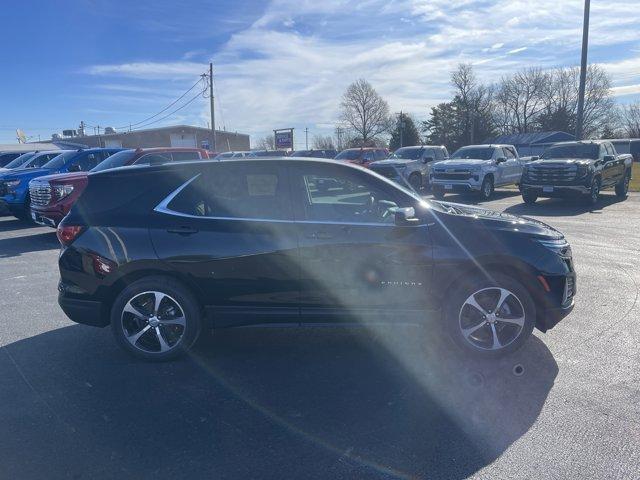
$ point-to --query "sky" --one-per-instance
(282, 63)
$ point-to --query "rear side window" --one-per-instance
(185, 156)
(238, 192)
(88, 161)
(153, 159)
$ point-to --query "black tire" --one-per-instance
(622, 187)
(148, 345)
(594, 193)
(25, 215)
(459, 315)
(438, 192)
(529, 198)
(415, 180)
(486, 190)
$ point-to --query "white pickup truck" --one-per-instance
(477, 168)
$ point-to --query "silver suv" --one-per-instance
(477, 168)
(410, 164)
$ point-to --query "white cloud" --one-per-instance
(147, 70)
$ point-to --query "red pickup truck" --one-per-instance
(53, 196)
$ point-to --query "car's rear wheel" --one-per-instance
(415, 180)
(486, 190)
(490, 315)
(529, 198)
(156, 319)
(622, 187)
(438, 192)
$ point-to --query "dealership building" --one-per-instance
(173, 136)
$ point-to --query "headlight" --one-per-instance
(11, 185)
(62, 191)
(559, 246)
(583, 170)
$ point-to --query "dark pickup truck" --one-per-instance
(578, 169)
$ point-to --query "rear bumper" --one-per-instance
(553, 191)
(87, 312)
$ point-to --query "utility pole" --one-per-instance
(82, 128)
(213, 114)
(401, 130)
(306, 138)
(583, 69)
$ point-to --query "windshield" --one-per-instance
(349, 155)
(473, 153)
(572, 150)
(116, 160)
(60, 160)
(407, 153)
(22, 159)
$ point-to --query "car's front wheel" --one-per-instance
(486, 190)
(415, 180)
(490, 315)
(594, 192)
(622, 187)
(438, 192)
(529, 198)
(156, 319)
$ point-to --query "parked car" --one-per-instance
(362, 156)
(267, 153)
(477, 168)
(184, 247)
(18, 161)
(410, 165)
(319, 153)
(14, 185)
(578, 169)
(6, 157)
(229, 155)
(53, 195)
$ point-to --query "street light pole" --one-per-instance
(213, 115)
(583, 70)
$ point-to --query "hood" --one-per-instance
(392, 162)
(25, 173)
(73, 177)
(503, 221)
(461, 163)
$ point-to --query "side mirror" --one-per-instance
(427, 159)
(74, 168)
(609, 158)
(501, 159)
(534, 158)
(406, 216)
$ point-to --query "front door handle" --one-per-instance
(183, 230)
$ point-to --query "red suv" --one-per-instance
(362, 156)
(53, 196)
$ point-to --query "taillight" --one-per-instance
(68, 233)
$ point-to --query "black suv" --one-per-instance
(182, 247)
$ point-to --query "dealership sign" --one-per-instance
(284, 138)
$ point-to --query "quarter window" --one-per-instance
(185, 156)
(153, 159)
(236, 191)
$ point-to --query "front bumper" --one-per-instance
(552, 316)
(455, 185)
(48, 218)
(555, 191)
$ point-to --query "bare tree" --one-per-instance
(630, 120)
(520, 99)
(266, 143)
(323, 142)
(365, 112)
(473, 105)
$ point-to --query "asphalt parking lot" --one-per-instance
(329, 402)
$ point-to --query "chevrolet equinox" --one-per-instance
(161, 253)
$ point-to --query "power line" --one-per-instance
(169, 114)
(164, 109)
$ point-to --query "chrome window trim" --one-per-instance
(162, 207)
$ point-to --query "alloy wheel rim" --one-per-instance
(491, 318)
(487, 189)
(153, 322)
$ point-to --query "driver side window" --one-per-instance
(335, 196)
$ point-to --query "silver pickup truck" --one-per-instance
(477, 168)
(410, 164)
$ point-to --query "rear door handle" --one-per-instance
(183, 230)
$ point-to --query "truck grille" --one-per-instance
(40, 193)
(551, 174)
(452, 175)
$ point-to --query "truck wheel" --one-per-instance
(438, 192)
(622, 187)
(486, 190)
(415, 180)
(529, 198)
(490, 315)
(594, 194)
